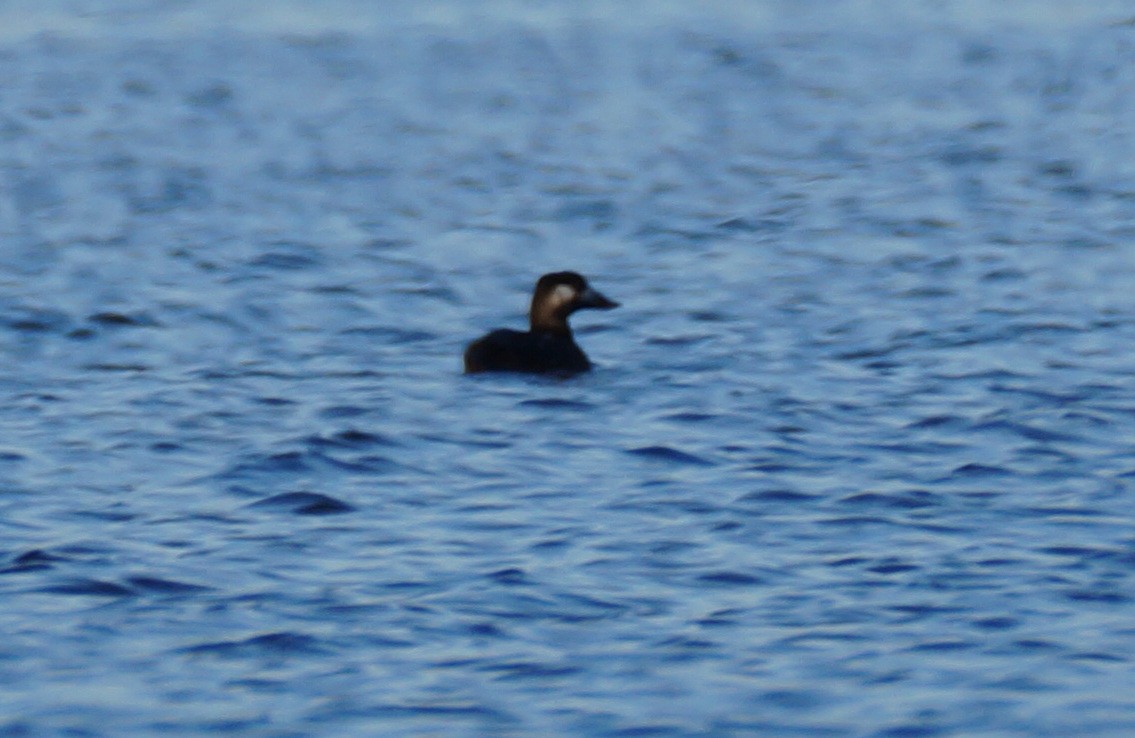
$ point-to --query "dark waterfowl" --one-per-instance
(548, 346)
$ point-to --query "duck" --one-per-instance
(547, 347)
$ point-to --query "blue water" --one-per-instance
(856, 460)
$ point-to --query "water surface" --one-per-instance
(856, 459)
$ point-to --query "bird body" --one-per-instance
(548, 346)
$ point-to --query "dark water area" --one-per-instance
(856, 459)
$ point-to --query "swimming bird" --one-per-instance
(548, 346)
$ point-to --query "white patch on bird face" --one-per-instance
(561, 295)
